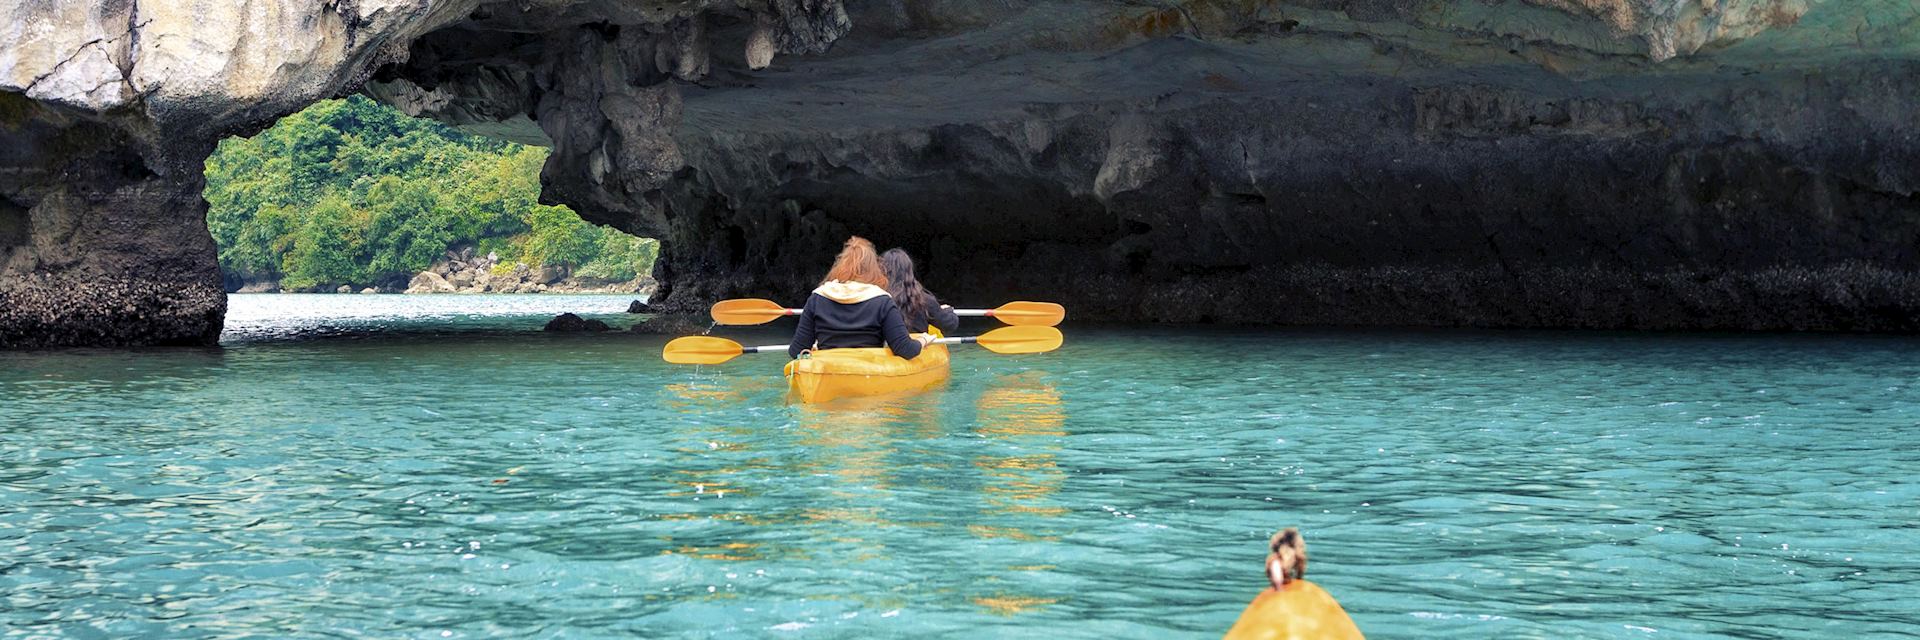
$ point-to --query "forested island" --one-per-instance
(350, 194)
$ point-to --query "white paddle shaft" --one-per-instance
(778, 347)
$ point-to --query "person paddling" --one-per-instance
(917, 304)
(1293, 607)
(852, 309)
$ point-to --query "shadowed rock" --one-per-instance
(569, 323)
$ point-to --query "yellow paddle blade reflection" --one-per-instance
(1021, 339)
(701, 350)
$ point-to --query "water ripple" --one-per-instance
(1451, 485)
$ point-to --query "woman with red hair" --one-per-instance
(852, 308)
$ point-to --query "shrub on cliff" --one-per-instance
(349, 192)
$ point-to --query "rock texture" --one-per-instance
(1559, 164)
(465, 272)
(429, 282)
(1740, 164)
(109, 108)
(94, 249)
(570, 323)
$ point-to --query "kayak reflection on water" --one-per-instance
(1020, 420)
(876, 451)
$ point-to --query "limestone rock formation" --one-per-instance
(1666, 165)
(465, 272)
(108, 109)
(428, 282)
(1584, 163)
(570, 323)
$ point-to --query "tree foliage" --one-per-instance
(350, 192)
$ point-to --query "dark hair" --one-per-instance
(907, 293)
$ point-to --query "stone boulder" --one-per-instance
(345, 288)
(639, 307)
(570, 323)
(429, 282)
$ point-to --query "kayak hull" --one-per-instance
(848, 373)
(1299, 612)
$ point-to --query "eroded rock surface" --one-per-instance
(1570, 164)
(1584, 163)
(570, 323)
(109, 108)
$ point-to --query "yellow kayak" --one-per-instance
(846, 373)
(1298, 611)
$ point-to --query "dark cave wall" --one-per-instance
(99, 246)
(1783, 201)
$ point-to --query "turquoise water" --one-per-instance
(393, 466)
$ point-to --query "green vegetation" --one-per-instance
(351, 192)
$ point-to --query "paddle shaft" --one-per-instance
(782, 347)
(971, 313)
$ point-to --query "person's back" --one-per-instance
(852, 309)
(853, 314)
(935, 315)
(918, 306)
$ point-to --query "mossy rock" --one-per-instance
(16, 110)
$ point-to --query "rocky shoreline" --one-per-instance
(467, 273)
(464, 272)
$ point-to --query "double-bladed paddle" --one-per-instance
(712, 350)
(761, 311)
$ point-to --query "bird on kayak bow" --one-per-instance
(1291, 608)
(1286, 557)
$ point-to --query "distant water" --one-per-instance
(451, 472)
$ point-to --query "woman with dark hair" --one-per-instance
(917, 304)
(852, 309)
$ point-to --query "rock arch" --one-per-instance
(1627, 164)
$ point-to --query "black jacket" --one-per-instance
(937, 315)
(843, 315)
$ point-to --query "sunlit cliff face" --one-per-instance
(1607, 163)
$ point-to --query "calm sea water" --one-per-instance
(433, 467)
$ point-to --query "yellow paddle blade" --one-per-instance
(1035, 314)
(701, 350)
(747, 311)
(1021, 339)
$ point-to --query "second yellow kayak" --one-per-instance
(846, 373)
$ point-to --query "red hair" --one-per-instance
(858, 263)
